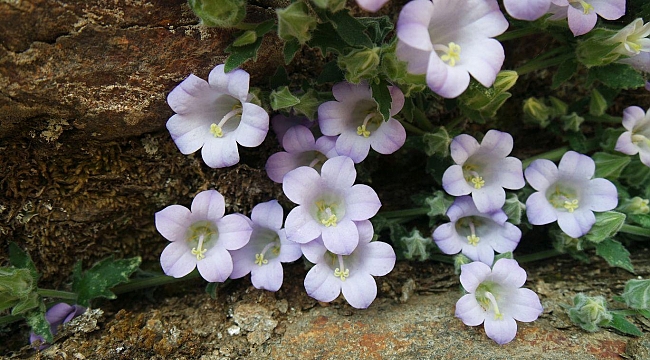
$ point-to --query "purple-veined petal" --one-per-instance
(339, 172)
(454, 183)
(397, 100)
(541, 173)
(220, 152)
(509, 174)
(216, 266)
(234, 83)
(539, 210)
(359, 290)
(353, 146)
(469, 311)
(326, 145)
(417, 60)
(632, 115)
(609, 9)
(331, 117)
(508, 238)
(577, 223)
(299, 184)
(189, 132)
(624, 144)
(529, 10)
(446, 81)
(473, 274)
(176, 260)
(497, 144)
(243, 262)
(344, 91)
(484, 252)
(268, 214)
(462, 147)
(289, 250)
(314, 250)
(253, 127)
(301, 226)
(268, 277)
(388, 138)
(208, 205)
(280, 163)
(297, 139)
(321, 284)
(361, 202)
(341, 239)
(489, 198)
(447, 239)
(371, 5)
(524, 305)
(378, 258)
(577, 166)
(600, 195)
(234, 231)
(579, 22)
(502, 331)
(172, 222)
(483, 68)
(507, 272)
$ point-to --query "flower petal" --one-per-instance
(524, 305)
(299, 184)
(473, 274)
(268, 214)
(220, 152)
(446, 81)
(600, 195)
(389, 137)
(539, 210)
(208, 205)
(189, 132)
(359, 290)
(489, 198)
(541, 173)
(352, 145)
(268, 277)
(454, 183)
(508, 273)
(339, 172)
(172, 222)
(321, 284)
(176, 259)
(234, 231)
(301, 226)
(469, 311)
(216, 266)
(502, 331)
(361, 202)
(526, 10)
(447, 239)
(577, 223)
(234, 83)
(413, 22)
(576, 166)
(378, 258)
(462, 147)
(579, 22)
(253, 127)
(341, 239)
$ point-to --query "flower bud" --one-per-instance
(505, 80)
(597, 103)
(332, 5)
(637, 294)
(635, 205)
(595, 50)
(437, 143)
(572, 122)
(589, 312)
(558, 107)
(248, 37)
(360, 64)
(460, 260)
(219, 13)
(537, 112)
(416, 246)
(295, 21)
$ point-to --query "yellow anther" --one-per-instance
(260, 260)
(571, 205)
(330, 221)
(473, 239)
(452, 54)
(216, 131)
(478, 182)
(361, 131)
(586, 7)
(342, 274)
(200, 253)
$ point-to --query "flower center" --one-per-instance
(473, 177)
(274, 246)
(202, 233)
(450, 53)
(325, 213)
(472, 239)
(566, 200)
(488, 301)
(341, 272)
(371, 118)
(640, 139)
(217, 129)
(586, 7)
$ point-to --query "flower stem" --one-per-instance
(552, 155)
(442, 258)
(542, 63)
(404, 213)
(410, 127)
(155, 280)
(546, 254)
(635, 230)
(57, 294)
(515, 34)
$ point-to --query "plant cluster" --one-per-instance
(382, 84)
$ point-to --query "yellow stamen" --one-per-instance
(473, 239)
(452, 54)
(571, 205)
(341, 274)
(330, 219)
(478, 182)
(260, 260)
(216, 131)
(492, 301)
(362, 130)
(199, 251)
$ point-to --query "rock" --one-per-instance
(257, 320)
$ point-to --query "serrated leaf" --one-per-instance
(381, 95)
(349, 29)
(609, 165)
(378, 27)
(21, 259)
(564, 72)
(641, 219)
(291, 47)
(330, 73)
(39, 325)
(615, 254)
(241, 54)
(101, 277)
(26, 304)
(283, 98)
(607, 224)
(617, 76)
(326, 39)
(308, 105)
(620, 323)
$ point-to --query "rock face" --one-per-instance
(86, 157)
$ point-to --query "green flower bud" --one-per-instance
(596, 50)
(332, 5)
(537, 112)
(15, 282)
(635, 205)
(295, 21)
(437, 143)
(597, 103)
(607, 225)
(219, 13)
(360, 64)
(416, 246)
(572, 122)
(558, 107)
(438, 204)
(505, 80)
(282, 98)
(248, 37)
(589, 312)
(637, 294)
(460, 260)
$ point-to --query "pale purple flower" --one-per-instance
(281, 123)
(354, 115)
(477, 235)
(636, 140)
(567, 193)
(58, 314)
(450, 39)
(641, 61)
(351, 274)
(495, 299)
(301, 149)
(483, 170)
(216, 115)
(371, 5)
(527, 9)
(632, 39)
(328, 204)
(583, 14)
(201, 237)
(267, 249)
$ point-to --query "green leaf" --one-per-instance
(241, 54)
(296, 21)
(641, 219)
(564, 72)
(21, 259)
(97, 281)
(308, 105)
(438, 204)
(26, 304)
(645, 313)
(607, 224)
(638, 176)
(279, 79)
(246, 38)
(620, 323)
(437, 143)
(617, 76)
(381, 95)
(291, 47)
(377, 27)
(637, 294)
(350, 29)
(514, 209)
(212, 289)
(615, 254)
(330, 73)
(327, 39)
(609, 165)
(282, 99)
(36, 320)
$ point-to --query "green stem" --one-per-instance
(635, 230)
(412, 128)
(515, 34)
(404, 213)
(57, 294)
(455, 123)
(546, 254)
(156, 280)
(540, 63)
(552, 155)
(442, 258)
(8, 319)
(604, 119)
